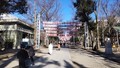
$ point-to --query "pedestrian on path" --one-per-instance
(22, 56)
(50, 48)
(58, 45)
(108, 47)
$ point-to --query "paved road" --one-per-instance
(65, 58)
(59, 59)
(84, 59)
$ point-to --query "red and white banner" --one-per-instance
(49, 26)
(65, 28)
(50, 23)
(50, 29)
(51, 34)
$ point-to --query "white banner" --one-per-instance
(38, 32)
(51, 34)
(50, 26)
(50, 23)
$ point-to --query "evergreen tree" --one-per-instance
(11, 6)
(83, 10)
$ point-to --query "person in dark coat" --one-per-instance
(22, 56)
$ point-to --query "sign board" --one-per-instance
(51, 28)
(38, 32)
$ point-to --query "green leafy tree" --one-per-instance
(11, 6)
(83, 10)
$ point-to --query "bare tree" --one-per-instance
(50, 10)
(115, 6)
(109, 14)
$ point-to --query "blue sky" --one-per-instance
(67, 10)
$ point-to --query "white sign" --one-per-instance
(50, 26)
(50, 23)
(38, 32)
(51, 34)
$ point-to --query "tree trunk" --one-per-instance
(96, 15)
(118, 38)
(103, 39)
(98, 41)
(92, 39)
(86, 37)
(98, 45)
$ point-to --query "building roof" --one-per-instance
(11, 18)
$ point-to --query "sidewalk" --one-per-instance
(59, 59)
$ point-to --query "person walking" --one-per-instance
(58, 45)
(22, 56)
(50, 48)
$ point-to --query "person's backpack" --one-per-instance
(31, 51)
(24, 44)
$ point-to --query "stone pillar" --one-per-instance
(15, 40)
(108, 47)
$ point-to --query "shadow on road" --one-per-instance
(43, 62)
(8, 51)
(68, 65)
(5, 63)
(113, 57)
(9, 55)
(79, 65)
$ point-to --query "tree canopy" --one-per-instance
(11, 6)
(83, 9)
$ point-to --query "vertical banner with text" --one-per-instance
(38, 32)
